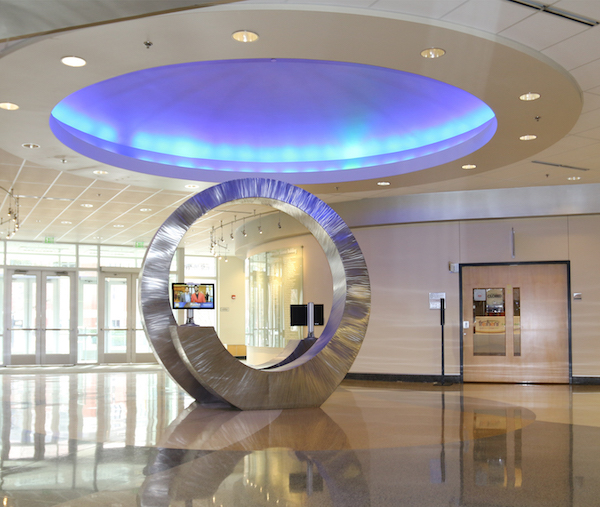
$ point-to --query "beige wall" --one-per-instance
(408, 261)
(231, 311)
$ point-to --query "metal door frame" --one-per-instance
(483, 264)
(40, 348)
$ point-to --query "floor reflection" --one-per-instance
(133, 438)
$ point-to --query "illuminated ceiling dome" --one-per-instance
(302, 121)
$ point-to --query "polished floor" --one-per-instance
(109, 437)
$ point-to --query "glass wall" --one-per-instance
(21, 264)
(273, 283)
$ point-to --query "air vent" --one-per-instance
(556, 12)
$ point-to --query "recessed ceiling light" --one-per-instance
(192, 186)
(100, 172)
(65, 222)
(145, 209)
(574, 178)
(97, 237)
(31, 146)
(9, 106)
(383, 183)
(530, 96)
(118, 225)
(73, 61)
(87, 205)
(433, 52)
(528, 137)
(469, 166)
(245, 36)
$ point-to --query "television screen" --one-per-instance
(299, 315)
(193, 296)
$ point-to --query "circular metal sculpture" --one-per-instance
(195, 357)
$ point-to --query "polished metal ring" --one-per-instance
(195, 357)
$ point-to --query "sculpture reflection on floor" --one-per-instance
(195, 357)
(179, 471)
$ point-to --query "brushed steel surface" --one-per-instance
(195, 357)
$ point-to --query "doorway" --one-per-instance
(516, 323)
(121, 338)
(42, 328)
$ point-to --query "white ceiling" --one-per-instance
(118, 197)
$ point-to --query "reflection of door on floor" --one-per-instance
(515, 323)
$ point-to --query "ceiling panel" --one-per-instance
(492, 16)
(543, 30)
(426, 8)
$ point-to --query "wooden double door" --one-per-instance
(516, 323)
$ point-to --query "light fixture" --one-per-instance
(528, 137)
(469, 166)
(13, 214)
(66, 222)
(192, 186)
(244, 228)
(73, 61)
(279, 221)
(118, 225)
(31, 146)
(529, 96)
(100, 172)
(87, 205)
(8, 106)
(574, 178)
(226, 259)
(145, 210)
(231, 233)
(384, 183)
(245, 36)
(433, 52)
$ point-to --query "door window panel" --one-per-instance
(115, 336)
(23, 313)
(58, 314)
(517, 321)
(489, 318)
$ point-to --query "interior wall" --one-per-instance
(406, 262)
(232, 282)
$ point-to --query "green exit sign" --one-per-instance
(139, 244)
(48, 239)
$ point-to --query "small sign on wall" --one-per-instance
(434, 300)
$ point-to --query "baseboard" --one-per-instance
(585, 381)
(394, 377)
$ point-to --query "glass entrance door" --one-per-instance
(122, 338)
(41, 308)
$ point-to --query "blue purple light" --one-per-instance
(302, 121)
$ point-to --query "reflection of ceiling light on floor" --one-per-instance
(8, 106)
(86, 205)
(191, 186)
(574, 178)
(433, 53)
(469, 166)
(529, 96)
(384, 183)
(145, 209)
(100, 172)
(245, 36)
(66, 222)
(528, 137)
(73, 61)
(118, 225)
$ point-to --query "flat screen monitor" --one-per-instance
(193, 296)
(299, 315)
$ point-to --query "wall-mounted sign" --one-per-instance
(434, 300)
